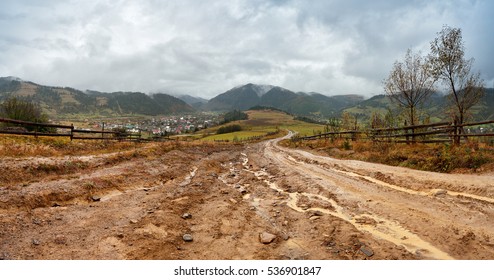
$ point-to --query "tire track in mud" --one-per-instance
(380, 228)
(273, 145)
(435, 208)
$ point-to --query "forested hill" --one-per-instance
(56, 101)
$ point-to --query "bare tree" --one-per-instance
(409, 84)
(449, 66)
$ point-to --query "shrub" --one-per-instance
(229, 128)
(234, 115)
(18, 109)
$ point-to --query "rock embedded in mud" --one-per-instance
(315, 213)
(187, 237)
(304, 206)
(266, 237)
(60, 239)
(438, 192)
(186, 216)
(367, 251)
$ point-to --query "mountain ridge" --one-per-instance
(60, 101)
(300, 103)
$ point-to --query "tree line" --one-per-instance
(22, 110)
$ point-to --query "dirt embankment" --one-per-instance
(258, 201)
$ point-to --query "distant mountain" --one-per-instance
(60, 101)
(277, 97)
(56, 101)
(239, 98)
(250, 95)
(196, 102)
(436, 107)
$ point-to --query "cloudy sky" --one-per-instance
(204, 48)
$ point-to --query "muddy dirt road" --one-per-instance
(258, 201)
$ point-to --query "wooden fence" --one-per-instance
(56, 130)
(427, 133)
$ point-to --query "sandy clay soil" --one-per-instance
(256, 201)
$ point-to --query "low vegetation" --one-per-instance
(264, 124)
(234, 115)
(228, 129)
(22, 110)
(446, 158)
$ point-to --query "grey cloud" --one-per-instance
(207, 47)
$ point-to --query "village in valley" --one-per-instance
(157, 126)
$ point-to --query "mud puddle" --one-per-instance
(378, 227)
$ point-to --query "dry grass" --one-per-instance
(27, 159)
(20, 146)
(467, 158)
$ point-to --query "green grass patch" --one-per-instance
(260, 123)
(239, 135)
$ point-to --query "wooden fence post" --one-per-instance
(36, 127)
(71, 131)
(456, 137)
(405, 131)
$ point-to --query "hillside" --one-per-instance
(64, 101)
(240, 98)
(59, 101)
(195, 102)
(436, 107)
(250, 95)
(320, 106)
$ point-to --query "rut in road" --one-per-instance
(381, 208)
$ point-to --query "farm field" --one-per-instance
(260, 123)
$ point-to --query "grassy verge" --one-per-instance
(22, 146)
(467, 158)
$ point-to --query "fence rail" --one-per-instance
(427, 133)
(73, 133)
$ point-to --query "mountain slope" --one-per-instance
(171, 104)
(196, 102)
(249, 95)
(436, 108)
(56, 101)
(240, 98)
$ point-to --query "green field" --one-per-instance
(262, 122)
(239, 135)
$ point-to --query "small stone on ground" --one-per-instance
(266, 237)
(187, 237)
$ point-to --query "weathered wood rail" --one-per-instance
(58, 130)
(427, 133)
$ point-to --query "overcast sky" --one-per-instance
(204, 48)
